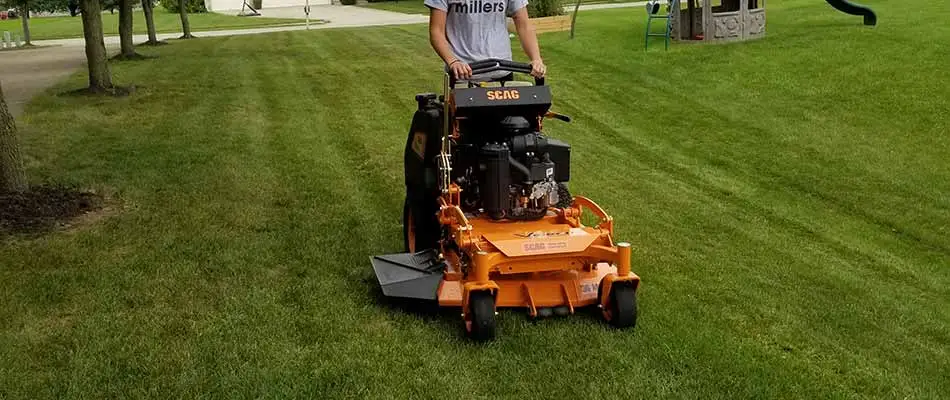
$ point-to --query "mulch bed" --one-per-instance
(43, 208)
(115, 91)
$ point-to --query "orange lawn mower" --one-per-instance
(488, 220)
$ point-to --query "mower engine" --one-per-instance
(510, 171)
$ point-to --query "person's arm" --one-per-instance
(529, 41)
(437, 35)
(440, 44)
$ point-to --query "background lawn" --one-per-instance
(165, 22)
(787, 199)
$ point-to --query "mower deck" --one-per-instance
(535, 264)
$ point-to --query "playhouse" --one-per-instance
(718, 20)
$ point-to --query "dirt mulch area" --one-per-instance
(45, 208)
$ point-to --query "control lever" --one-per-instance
(555, 115)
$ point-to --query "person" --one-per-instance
(464, 31)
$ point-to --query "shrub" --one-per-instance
(545, 8)
(191, 6)
(348, 2)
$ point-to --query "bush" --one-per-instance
(348, 2)
(191, 6)
(545, 8)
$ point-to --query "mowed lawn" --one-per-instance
(787, 198)
(165, 22)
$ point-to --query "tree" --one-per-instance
(127, 51)
(185, 28)
(148, 6)
(100, 79)
(25, 22)
(12, 176)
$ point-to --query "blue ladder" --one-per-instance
(653, 12)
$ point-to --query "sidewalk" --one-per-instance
(338, 17)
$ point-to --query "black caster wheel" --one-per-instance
(481, 325)
(621, 310)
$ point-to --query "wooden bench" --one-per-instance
(556, 23)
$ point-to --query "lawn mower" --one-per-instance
(488, 220)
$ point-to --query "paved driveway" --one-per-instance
(26, 73)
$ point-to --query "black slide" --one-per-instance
(848, 7)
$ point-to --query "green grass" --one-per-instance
(787, 199)
(165, 22)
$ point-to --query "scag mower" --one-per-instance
(488, 219)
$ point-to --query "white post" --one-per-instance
(7, 43)
(307, 11)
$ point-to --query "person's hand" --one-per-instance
(538, 69)
(460, 70)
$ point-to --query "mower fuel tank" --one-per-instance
(423, 144)
(410, 275)
(496, 178)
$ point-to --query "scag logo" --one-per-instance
(503, 95)
(534, 247)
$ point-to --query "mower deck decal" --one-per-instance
(513, 245)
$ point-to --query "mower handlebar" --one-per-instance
(493, 64)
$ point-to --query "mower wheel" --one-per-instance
(481, 326)
(622, 307)
(419, 223)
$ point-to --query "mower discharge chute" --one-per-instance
(488, 221)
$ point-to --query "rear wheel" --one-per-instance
(420, 225)
(481, 324)
(621, 310)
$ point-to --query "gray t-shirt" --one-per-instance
(478, 29)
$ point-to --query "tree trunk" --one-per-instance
(147, 7)
(125, 30)
(100, 78)
(12, 176)
(185, 28)
(25, 19)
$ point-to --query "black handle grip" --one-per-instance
(491, 65)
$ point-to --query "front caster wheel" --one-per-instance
(621, 310)
(481, 324)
